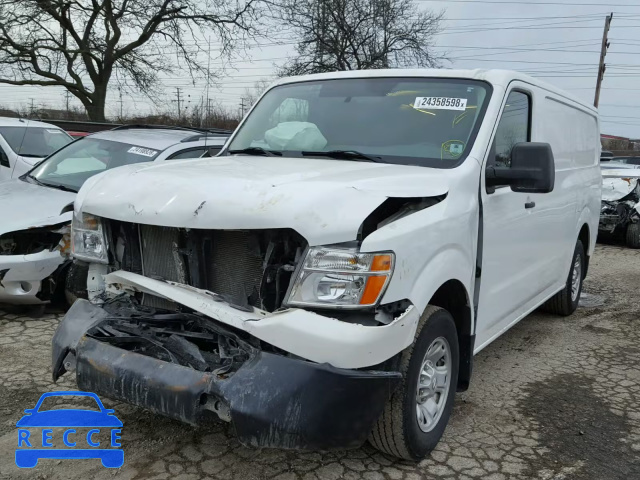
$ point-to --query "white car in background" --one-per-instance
(620, 212)
(23, 143)
(37, 207)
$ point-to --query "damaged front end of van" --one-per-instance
(253, 309)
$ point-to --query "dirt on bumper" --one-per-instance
(273, 400)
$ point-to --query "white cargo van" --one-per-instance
(329, 278)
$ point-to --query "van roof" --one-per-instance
(23, 122)
(494, 77)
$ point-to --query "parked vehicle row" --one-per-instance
(35, 237)
(361, 236)
(23, 143)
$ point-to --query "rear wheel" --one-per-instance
(633, 235)
(415, 417)
(566, 300)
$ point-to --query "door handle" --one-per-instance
(529, 204)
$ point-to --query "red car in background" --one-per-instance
(78, 134)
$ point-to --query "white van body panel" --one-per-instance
(307, 195)
(525, 253)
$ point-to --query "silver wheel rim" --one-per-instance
(434, 382)
(576, 278)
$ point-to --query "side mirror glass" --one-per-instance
(532, 170)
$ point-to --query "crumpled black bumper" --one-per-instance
(272, 400)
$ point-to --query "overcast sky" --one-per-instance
(560, 43)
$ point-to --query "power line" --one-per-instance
(533, 4)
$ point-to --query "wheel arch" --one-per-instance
(453, 297)
(585, 237)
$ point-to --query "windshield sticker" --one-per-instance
(440, 103)
(145, 152)
(453, 148)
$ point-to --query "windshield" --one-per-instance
(34, 141)
(413, 121)
(74, 164)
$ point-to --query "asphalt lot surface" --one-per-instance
(553, 398)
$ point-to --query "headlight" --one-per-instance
(341, 278)
(87, 239)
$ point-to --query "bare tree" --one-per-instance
(359, 34)
(82, 45)
(251, 95)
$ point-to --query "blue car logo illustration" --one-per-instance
(32, 447)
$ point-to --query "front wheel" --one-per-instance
(633, 235)
(417, 413)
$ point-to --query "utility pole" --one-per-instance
(32, 109)
(120, 101)
(603, 52)
(242, 106)
(209, 110)
(208, 75)
(178, 89)
(67, 96)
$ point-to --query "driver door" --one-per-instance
(513, 231)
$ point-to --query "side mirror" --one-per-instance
(532, 169)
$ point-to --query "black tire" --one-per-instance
(562, 303)
(397, 431)
(633, 235)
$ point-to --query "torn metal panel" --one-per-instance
(25, 205)
(301, 332)
(617, 188)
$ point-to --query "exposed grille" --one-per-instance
(236, 266)
(161, 259)
(245, 266)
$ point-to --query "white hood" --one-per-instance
(25, 205)
(323, 200)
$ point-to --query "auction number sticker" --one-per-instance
(147, 152)
(440, 103)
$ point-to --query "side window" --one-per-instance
(190, 153)
(514, 127)
(4, 159)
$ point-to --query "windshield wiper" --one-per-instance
(52, 185)
(30, 155)
(257, 151)
(343, 155)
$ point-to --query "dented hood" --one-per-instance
(25, 205)
(323, 200)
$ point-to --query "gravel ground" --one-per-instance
(553, 398)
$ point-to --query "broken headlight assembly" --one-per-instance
(88, 239)
(333, 277)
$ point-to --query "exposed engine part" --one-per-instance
(95, 282)
(393, 209)
(246, 268)
(35, 240)
(183, 339)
